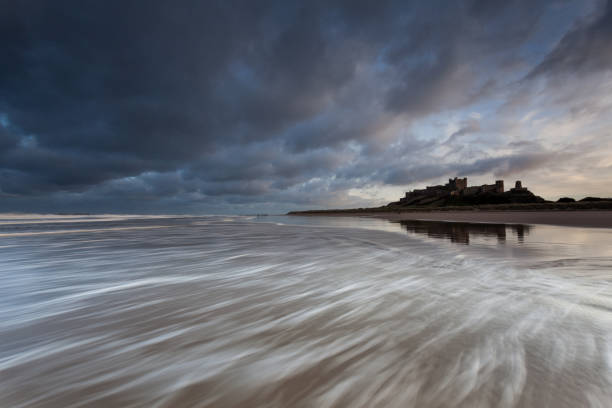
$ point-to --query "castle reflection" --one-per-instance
(460, 232)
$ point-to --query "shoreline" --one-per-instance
(584, 218)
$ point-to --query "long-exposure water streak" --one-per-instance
(302, 312)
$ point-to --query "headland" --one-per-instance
(491, 203)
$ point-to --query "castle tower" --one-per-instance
(461, 183)
(499, 186)
(457, 184)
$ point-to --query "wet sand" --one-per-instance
(588, 219)
(234, 312)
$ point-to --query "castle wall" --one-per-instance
(471, 190)
(499, 186)
(454, 187)
(461, 183)
(488, 188)
(456, 184)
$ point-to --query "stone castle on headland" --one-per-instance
(457, 192)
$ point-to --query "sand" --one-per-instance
(590, 219)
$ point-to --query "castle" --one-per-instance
(457, 190)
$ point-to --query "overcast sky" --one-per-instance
(268, 106)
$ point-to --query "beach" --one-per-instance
(228, 311)
(585, 219)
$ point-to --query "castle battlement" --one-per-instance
(457, 187)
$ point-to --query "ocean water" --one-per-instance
(126, 311)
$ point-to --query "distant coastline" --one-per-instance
(576, 217)
(455, 201)
(603, 204)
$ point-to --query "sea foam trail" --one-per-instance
(227, 312)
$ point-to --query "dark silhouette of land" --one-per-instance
(457, 192)
(456, 201)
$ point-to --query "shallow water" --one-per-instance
(302, 312)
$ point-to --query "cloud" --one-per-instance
(583, 50)
(468, 126)
(206, 106)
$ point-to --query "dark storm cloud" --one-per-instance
(244, 101)
(583, 50)
(8, 139)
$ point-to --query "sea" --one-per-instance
(288, 311)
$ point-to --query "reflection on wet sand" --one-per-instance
(459, 232)
(225, 312)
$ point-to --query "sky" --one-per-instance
(241, 107)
